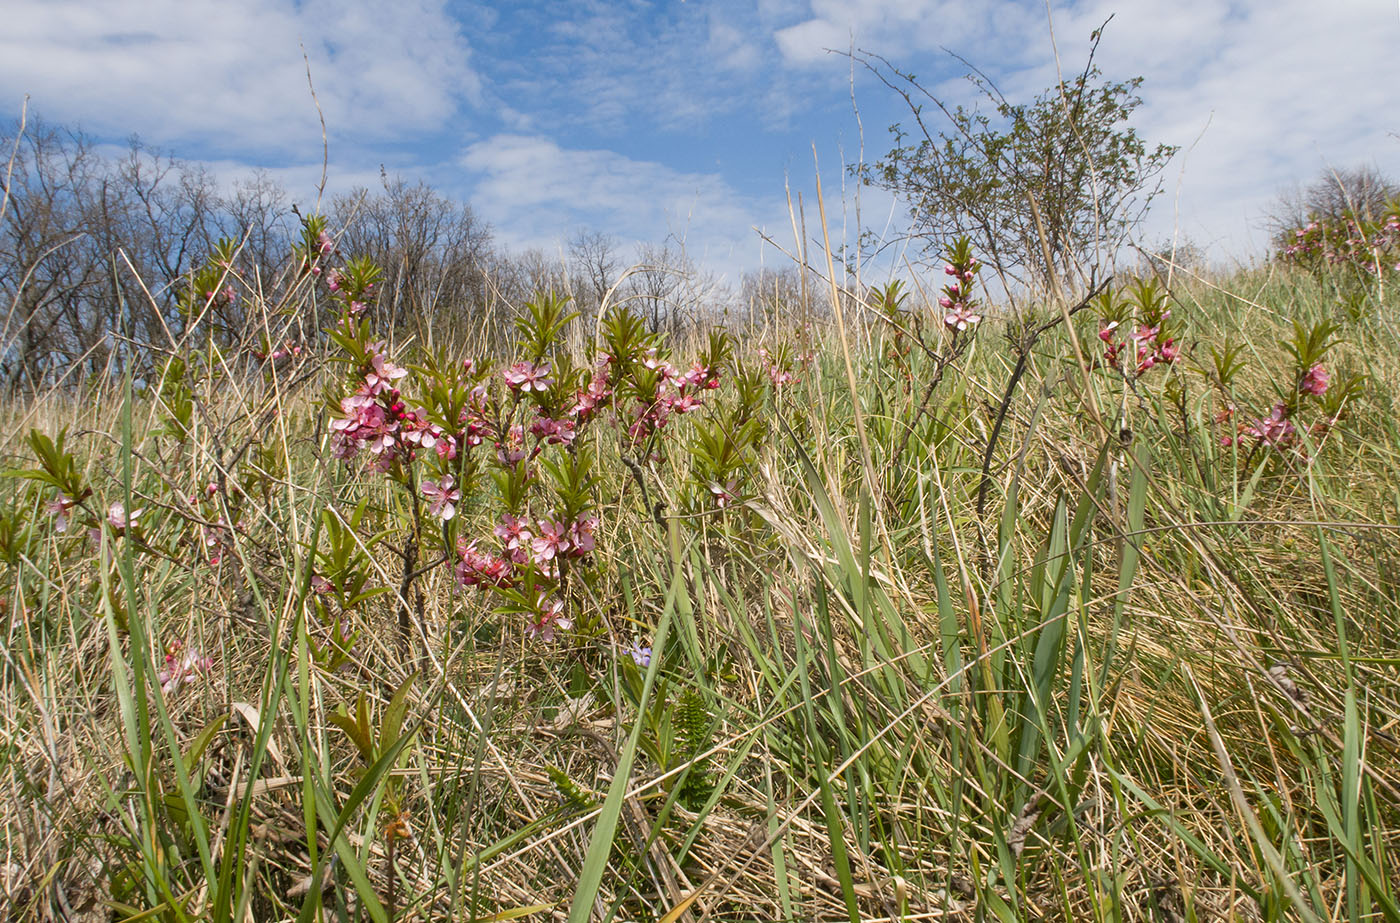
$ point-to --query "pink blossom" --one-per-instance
(553, 432)
(961, 317)
(1276, 430)
(514, 532)
(1315, 381)
(549, 620)
(688, 402)
(526, 376)
(478, 568)
(382, 373)
(182, 665)
(551, 540)
(442, 497)
(581, 534)
(726, 494)
(119, 519)
(59, 509)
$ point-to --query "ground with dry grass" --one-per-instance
(899, 622)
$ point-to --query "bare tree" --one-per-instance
(593, 266)
(433, 250)
(1361, 190)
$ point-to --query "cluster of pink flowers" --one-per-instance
(1315, 381)
(183, 664)
(676, 393)
(540, 543)
(960, 313)
(376, 417)
(780, 373)
(597, 393)
(1277, 430)
(1149, 345)
(1369, 244)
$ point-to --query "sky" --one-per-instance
(697, 119)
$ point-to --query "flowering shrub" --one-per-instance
(444, 430)
(962, 311)
(1368, 244)
(1145, 317)
(1311, 389)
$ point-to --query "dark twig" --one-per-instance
(1023, 353)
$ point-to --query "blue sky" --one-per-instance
(644, 120)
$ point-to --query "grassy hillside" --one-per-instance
(914, 612)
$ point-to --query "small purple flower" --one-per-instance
(641, 656)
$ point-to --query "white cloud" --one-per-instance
(231, 75)
(535, 192)
(1281, 88)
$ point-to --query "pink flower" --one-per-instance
(961, 317)
(514, 532)
(688, 402)
(1107, 331)
(581, 534)
(1315, 381)
(553, 432)
(442, 497)
(479, 568)
(1276, 430)
(382, 373)
(550, 619)
(1144, 332)
(119, 519)
(551, 540)
(182, 665)
(526, 376)
(725, 495)
(58, 508)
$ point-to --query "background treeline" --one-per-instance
(97, 250)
